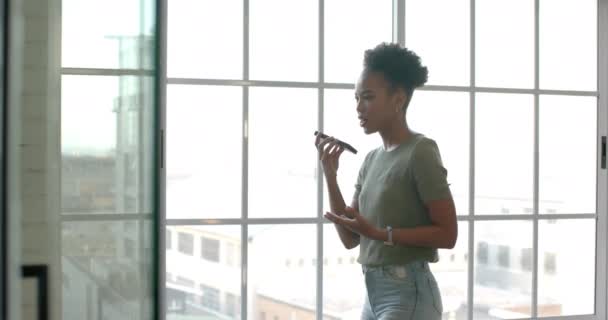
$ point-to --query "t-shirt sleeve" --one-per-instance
(429, 173)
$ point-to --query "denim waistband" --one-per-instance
(414, 266)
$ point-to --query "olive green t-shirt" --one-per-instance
(392, 189)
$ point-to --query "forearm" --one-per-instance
(336, 201)
(337, 205)
(349, 239)
(424, 236)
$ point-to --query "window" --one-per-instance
(231, 254)
(184, 282)
(502, 212)
(550, 263)
(504, 258)
(210, 249)
(482, 253)
(232, 304)
(185, 243)
(526, 259)
(168, 239)
(211, 297)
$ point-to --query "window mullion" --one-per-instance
(245, 168)
(471, 244)
(399, 22)
(601, 290)
(320, 121)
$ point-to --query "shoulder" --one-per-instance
(424, 145)
(371, 154)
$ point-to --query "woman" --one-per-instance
(402, 210)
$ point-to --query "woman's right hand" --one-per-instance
(329, 154)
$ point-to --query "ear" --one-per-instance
(400, 98)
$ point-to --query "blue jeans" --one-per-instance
(401, 292)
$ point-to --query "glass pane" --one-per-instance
(568, 51)
(346, 38)
(341, 121)
(282, 155)
(503, 284)
(451, 273)
(343, 282)
(214, 293)
(284, 40)
(431, 43)
(89, 41)
(451, 132)
(504, 49)
(579, 115)
(282, 280)
(205, 39)
(504, 157)
(106, 146)
(106, 270)
(566, 268)
(201, 120)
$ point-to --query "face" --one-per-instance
(377, 105)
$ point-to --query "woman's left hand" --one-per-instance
(354, 221)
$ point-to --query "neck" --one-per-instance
(395, 134)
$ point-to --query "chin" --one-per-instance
(368, 131)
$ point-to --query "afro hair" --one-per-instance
(400, 66)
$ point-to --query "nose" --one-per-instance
(359, 106)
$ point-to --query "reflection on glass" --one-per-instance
(451, 273)
(89, 41)
(343, 282)
(347, 36)
(204, 151)
(106, 270)
(432, 43)
(568, 51)
(504, 156)
(444, 117)
(282, 155)
(106, 144)
(282, 274)
(204, 282)
(503, 277)
(555, 185)
(341, 122)
(504, 43)
(284, 40)
(566, 268)
(195, 47)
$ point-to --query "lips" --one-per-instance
(362, 121)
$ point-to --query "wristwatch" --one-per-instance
(389, 242)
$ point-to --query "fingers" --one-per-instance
(317, 140)
(327, 147)
(341, 220)
(334, 218)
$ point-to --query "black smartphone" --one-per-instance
(340, 142)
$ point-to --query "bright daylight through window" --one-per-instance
(247, 84)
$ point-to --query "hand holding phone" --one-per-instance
(340, 142)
